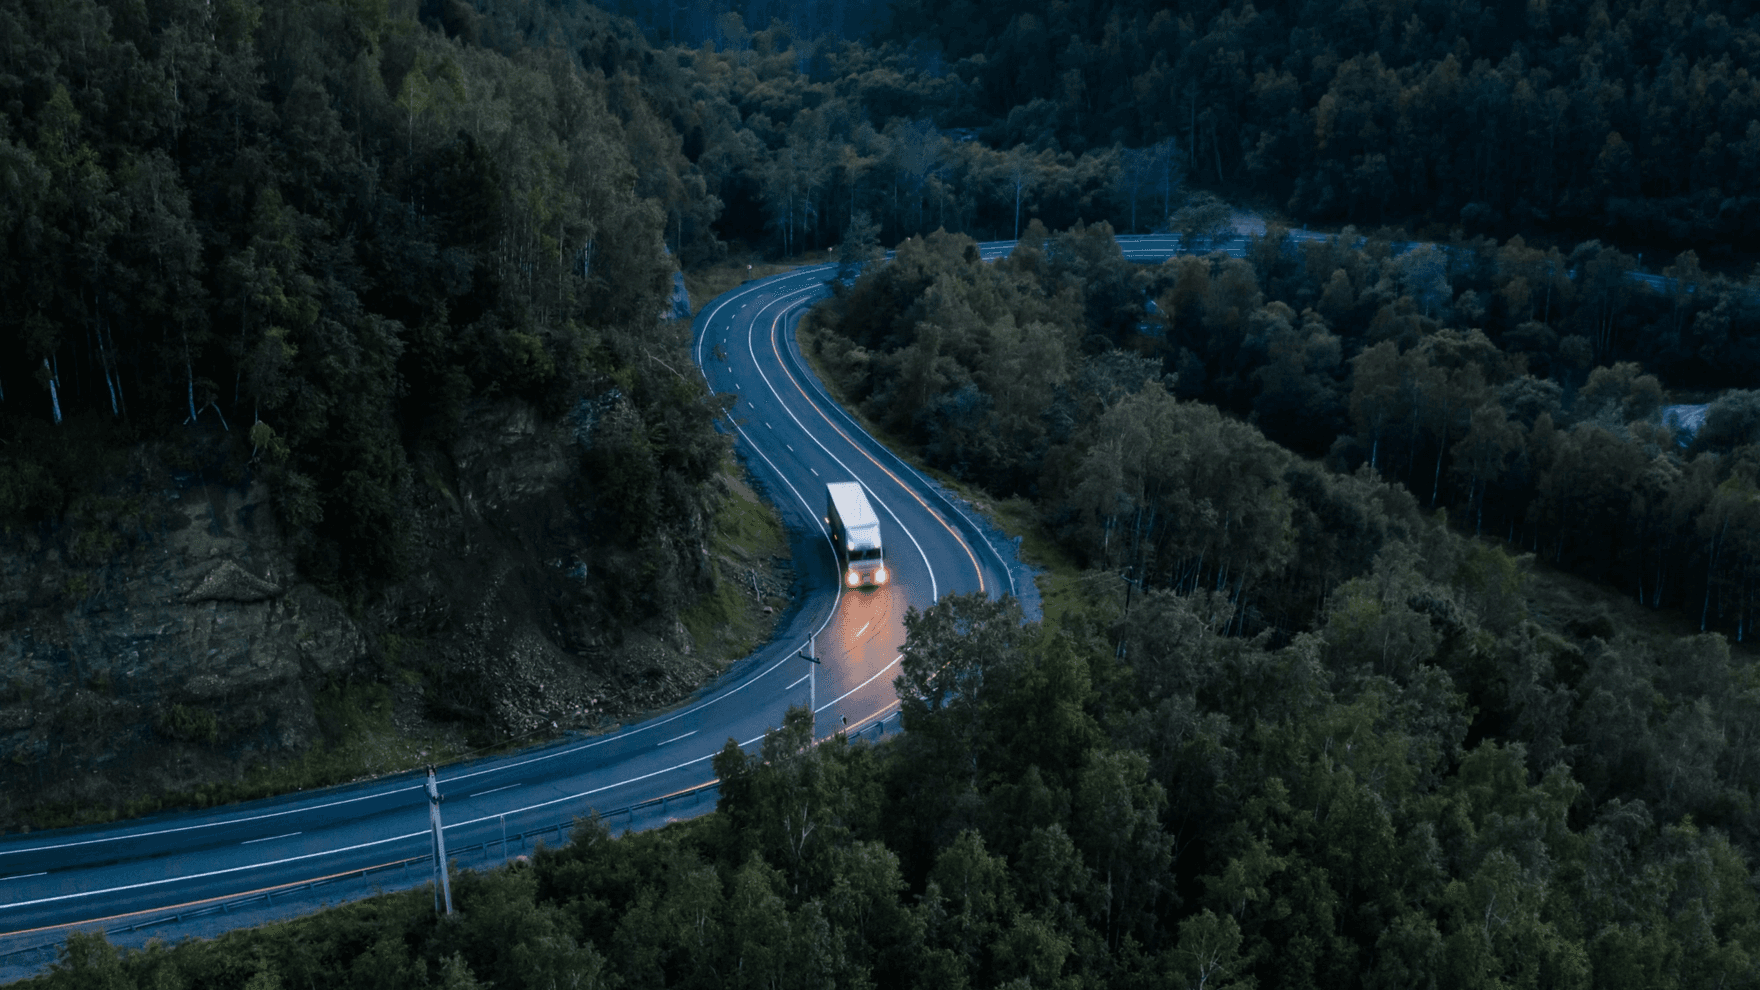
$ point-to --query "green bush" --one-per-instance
(188, 723)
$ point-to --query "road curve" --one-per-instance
(199, 873)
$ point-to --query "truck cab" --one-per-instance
(855, 533)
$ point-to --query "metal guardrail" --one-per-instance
(48, 950)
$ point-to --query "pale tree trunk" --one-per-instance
(1017, 208)
(1710, 565)
(1436, 480)
(189, 379)
(54, 392)
(104, 356)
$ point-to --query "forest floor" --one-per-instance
(1564, 602)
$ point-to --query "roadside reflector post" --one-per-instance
(439, 839)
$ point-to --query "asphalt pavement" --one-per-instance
(201, 873)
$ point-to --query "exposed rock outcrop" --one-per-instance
(106, 662)
(174, 642)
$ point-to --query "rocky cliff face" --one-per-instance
(164, 639)
(125, 667)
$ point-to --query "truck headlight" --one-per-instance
(852, 579)
(880, 576)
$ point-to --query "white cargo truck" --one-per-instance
(855, 532)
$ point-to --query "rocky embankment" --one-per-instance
(163, 638)
(136, 644)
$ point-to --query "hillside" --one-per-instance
(1393, 636)
(337, 428)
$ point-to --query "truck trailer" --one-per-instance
(855, 533)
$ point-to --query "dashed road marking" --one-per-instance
(271, 838)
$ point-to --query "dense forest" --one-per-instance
(1482, 377)
(325, 231)
(1639, 118)
(1297, 724)
(1425, 790)
(340, 221)
(1638, 123)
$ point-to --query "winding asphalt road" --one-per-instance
(203, 872)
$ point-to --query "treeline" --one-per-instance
(327, 230)
(1622, 121)
(1425, 788)
(727, 23)
(1493, 380)
(333, 225)
(782, 139)
(1629, 117)
(1633, 125)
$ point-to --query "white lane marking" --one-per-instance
(271, 838)
(853, 690)
(825, 401)
(707, 322)
(591, 791)
(790, 447)
(751, 348)
(767, 426)
(659, 721)
(739, 295)
(24, 876)
(492, 790)
(798, 683)
(226, 821)
(864, 628)
(359, 845)
(211, 873)
(676, 738)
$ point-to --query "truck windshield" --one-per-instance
(869, 554)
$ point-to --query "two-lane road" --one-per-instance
(804, 441)
(201, 867)
(202, 872)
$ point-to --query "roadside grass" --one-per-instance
(705, 284)
(1564, 602)
(747, 534)
(359, 741)
(1063, 586)
(1554, 598)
